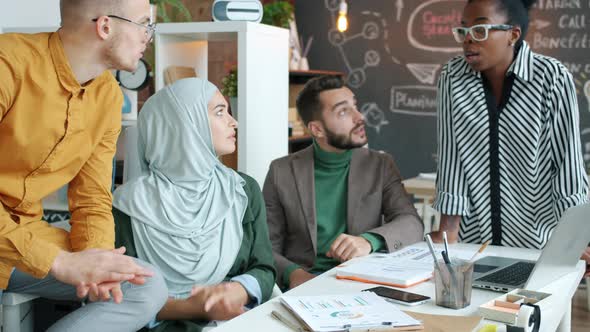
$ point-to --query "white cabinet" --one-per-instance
(29, 15)
(263, 81)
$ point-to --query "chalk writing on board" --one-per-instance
(570, 30)
(586, 90)
(430, 25)
(585, 136)
(413, 100)
(573, 40)
(558, 4)
(374, 116)
(425, 73)
(576, 68)
(399, 8)
(581, 84)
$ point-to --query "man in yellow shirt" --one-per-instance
(60, 116)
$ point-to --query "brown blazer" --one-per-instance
(377, 203)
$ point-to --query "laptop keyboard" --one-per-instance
(514, 275)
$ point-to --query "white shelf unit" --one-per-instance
(263, 81)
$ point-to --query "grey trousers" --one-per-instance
(140, 303)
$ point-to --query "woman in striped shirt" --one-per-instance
(509, 141)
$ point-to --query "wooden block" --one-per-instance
(174, 73)
(293, 115)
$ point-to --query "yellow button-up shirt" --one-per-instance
(53, 131)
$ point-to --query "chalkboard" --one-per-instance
(394, 50)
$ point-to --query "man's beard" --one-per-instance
(343, 142)
(113, 59)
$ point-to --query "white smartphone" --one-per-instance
(398, 296)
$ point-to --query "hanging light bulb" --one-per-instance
(342, 23)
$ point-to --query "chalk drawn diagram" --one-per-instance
(583, 83)
(539, 24)
(428, 29)
(420, 12)
(587, 93)
(374, 116)
(585, 137)
(425, 73)
(413, 100)
(374, 28)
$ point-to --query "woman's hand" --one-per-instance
(298, 277)
(220, 302)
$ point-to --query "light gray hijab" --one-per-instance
(186, 207)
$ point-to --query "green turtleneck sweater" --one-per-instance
(331, 193)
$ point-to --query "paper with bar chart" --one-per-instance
(346, 311)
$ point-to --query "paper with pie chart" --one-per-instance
(345, 311)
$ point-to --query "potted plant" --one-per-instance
(229, 89)
(278, 13)
(160, 10)
(281, 14)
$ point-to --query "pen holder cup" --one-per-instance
(453, 283)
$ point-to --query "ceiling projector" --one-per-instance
(237, 10)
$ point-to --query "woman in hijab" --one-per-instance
(200, 222)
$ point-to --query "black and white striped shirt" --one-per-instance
(537, 147)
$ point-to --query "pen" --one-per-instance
(387, 328)
(350, 326)
(446, 242)
(446, 257)
(453, 282)
(276, 315)
(431, 248)
(384, 326)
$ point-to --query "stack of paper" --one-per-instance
(403, 268)
(427, 176)
(347, 312)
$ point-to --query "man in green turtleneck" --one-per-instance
(334, 200)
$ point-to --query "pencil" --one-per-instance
(481, 249)
(276, 315)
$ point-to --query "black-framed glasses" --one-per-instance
(150, 28)
(479, 32)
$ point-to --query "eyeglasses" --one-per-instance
(150, 28)
(478, 32)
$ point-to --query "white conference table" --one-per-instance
(555, 316)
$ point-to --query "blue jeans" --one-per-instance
(140, 302)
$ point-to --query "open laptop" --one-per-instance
(559, 257)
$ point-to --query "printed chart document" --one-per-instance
(403, 268)
(346, 312)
